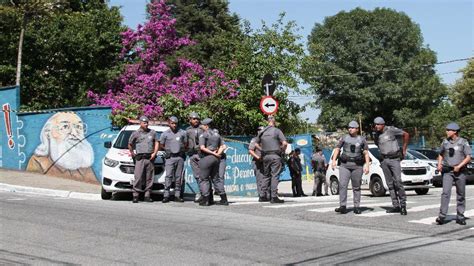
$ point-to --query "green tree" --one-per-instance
(65, 53)
(463, 98)
(396, 78)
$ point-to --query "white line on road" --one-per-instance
(413, 209)
(431, 220)
(380, 204)
(17, 199)
(306, 204)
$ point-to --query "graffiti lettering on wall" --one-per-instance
(63, 150)
(8, 125)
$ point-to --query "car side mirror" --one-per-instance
(108, 144)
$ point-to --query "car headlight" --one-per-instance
(110, 162)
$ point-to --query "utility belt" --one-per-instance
(265, 153)
(203, 154)
(447, 169)
(173, 155)
(397, 155)
(359, 160)
(142, 156)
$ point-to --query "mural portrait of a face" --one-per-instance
(63, 150)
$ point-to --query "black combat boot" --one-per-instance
(148, 199)
(198, 200)
(223, 200)
(403, 210)
(211, 198)
(461, 220)
(440, 220)
(357, 211)
(135, 200)
(204, 201)
(341, 210)
(166, 200)
(276, 200)
(263, 199)
(178, 199)
(393, 210)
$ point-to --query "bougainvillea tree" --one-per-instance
(151, 85)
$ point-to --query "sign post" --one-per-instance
(268, 84)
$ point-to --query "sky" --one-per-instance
(447, 26)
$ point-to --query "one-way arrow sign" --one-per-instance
(268, 105)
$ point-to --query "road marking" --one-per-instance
(409, 210)
(246, 203)
(306, 204)
(17, 199)
(431, 220)
(380, 204)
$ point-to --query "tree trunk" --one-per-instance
(20, 49)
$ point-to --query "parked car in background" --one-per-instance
(416, 155)
(118, 166)
(430, 154)
(416, 175)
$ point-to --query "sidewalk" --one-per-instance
(22, 181)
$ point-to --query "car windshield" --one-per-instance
(376, 153)
(124, 136)
(418, 155)
(431, 154)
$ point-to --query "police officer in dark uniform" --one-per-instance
(354, 160)
(386, 140)
(455, 154)
(257, 163)
(193, 132)
(296, 169)
(273, 144)
(319, 164)
(144, 142)
(212, 147)
(173, 141)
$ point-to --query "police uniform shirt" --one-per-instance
(387, 140)
(174, 142)
(455, 151)
(253, 147)
(143, 140)
(211, 140)
(320, 162)
(352, 146)
(193, 137)
(270, 139)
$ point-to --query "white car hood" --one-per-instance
(123, 155)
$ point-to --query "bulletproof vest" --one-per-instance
(387, 142)
(269, 139)
(213, 140)
(193, 137)
(453, 152)
(174, 141)
(352, 146)
(145, 141)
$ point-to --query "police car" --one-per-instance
(118, 167)
(416, 175)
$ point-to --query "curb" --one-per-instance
(49, 192)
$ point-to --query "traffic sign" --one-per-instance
(268, 84)
(268, 105)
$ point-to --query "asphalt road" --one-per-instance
(47, 230)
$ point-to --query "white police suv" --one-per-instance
(118, 167)
(416, 175)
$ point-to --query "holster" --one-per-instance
(142, 156)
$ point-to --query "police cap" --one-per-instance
(379, 121)
(173, 119)
(354, 124)
(194, 115)
(206, 121)
(144, 119)
(453, 126)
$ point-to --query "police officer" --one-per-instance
(212, 147)
(319, 164)
(386, 140)
(144, 142)
(354, 160)
(295, 167)
(257, 163)
(455, 154)
(173, 141)
(222, 162)
(273, 144)
(193, 132)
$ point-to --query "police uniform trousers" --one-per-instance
(144, 172)
(271, 168)
(296, 184)
(222, 166)
(174, 167)
(257, 167)
(392, 171)
(209, 171)
(354, 174)
(194, 162)
(319, 179)
(460, 183)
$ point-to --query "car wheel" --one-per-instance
(376, 187)
(421, 191)
(105, 195)
(334, 185)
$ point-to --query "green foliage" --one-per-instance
(463, 98)
(369, 42)
(64, 54)
(439, 118)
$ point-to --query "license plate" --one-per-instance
(417, 180)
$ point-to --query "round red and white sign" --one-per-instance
(268, 105)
